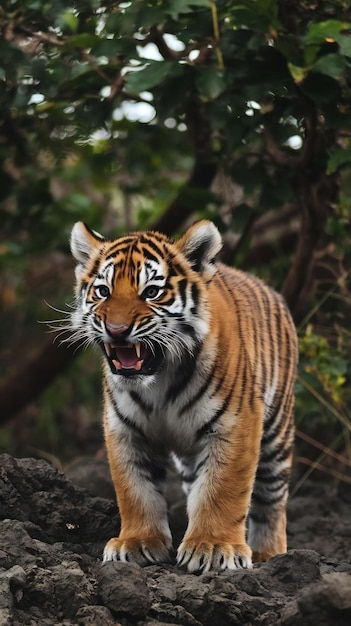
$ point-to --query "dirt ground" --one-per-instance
(53, 528)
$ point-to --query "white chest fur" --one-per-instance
(169, 423)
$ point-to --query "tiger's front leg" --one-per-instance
(145, 535)
(219, 498)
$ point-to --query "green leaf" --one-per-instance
(344, 42)
(176, 7)
(298, 73)
(288, 46)
(321, 32)
(210, 83)
(154, 73)
(124, 22)
(338, 158)
(67, 22)
(83, 40)
(151, 16)
(261, 15)
(330, 31)
(330, 64)
(110, 48)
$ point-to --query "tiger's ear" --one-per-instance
(84, 242)
(200, 244)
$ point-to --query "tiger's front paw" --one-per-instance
(204, 555)
(142, 551)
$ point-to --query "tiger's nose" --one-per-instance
(116, 330)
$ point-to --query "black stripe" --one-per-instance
(271, 422)
(168, 302)
(182, 290)
(200, 465)
(95, 267)
(200, 392)
(277, 455)
(195, 257)
(266, 501)
(150, 256)
(270, 436)
(268, 309)
(267, 481)
(146, 323)
(86, 318)
(206, 428)
(123, 418)
(278, 320)
(259, 519)
(122, 240)
(116, 253)
(132, 268)
(185, 374)
(144, 406)
(186, 328)
(156, 468)
(242, 362)
(158, 236)
(175, 269)
(194, 297)
(145, 241)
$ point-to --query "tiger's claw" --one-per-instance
(149, 550)
(204, 556)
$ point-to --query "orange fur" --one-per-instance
(231, 428)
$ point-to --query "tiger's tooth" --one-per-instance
(117, 364)
(137, 349)
(138, 365)
(108, 349)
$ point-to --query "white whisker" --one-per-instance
(78, 327)
(169, 340)
(53, 308)
(58, 321)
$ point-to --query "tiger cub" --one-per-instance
(199, 367)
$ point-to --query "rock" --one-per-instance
(123, 589)
(95, 615)
(11, 583)
(325, 603)
(290, 573)
(33, 491)
(92, 475)
(52, 535)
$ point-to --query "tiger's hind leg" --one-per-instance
(267, 515)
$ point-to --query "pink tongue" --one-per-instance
(127, 356)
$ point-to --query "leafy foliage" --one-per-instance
(124, 113)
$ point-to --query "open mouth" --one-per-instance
(130, 359)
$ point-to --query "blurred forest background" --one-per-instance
(134, 115)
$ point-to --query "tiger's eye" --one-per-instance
(150, 293)
(102, 291)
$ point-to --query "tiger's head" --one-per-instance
(143, 297)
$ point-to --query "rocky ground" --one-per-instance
(53, 531)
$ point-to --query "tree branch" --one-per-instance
(279, 156)
(41, 37)
(316, 192)
(203, 173)
(32, 378)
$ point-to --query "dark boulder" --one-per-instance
(52, 534)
